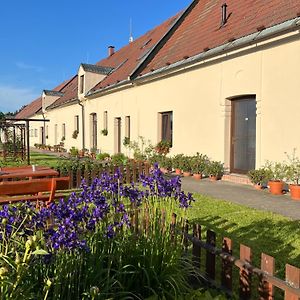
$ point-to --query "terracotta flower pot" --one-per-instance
(177, 171)
(186, 174)
(276, 187)
(197, 176)
(213, 178)
(257, 186)
(295, 191)
(164, 170)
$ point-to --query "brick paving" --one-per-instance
(244, 195)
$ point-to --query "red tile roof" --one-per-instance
(36, 105)
(30, 109)
(201, 29)
(70, 92)
(125, 60)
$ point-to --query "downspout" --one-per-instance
(83, 124)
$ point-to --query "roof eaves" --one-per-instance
(53, 93)
(236, 44)
(108, 88)
(67, 103)
(162, 41)
(97, 69)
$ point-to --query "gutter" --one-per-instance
(242, 42)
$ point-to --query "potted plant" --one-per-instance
(83, 152)
(104, 132)
(74, 152)
(277, 173)
(163, 147)
(259, 177)
(198, 164)
(185, 166)
(75, 134)
(126, 141)
(93, 153)
(176, 162)
(165, 164)
(215, 170)
(293, 175)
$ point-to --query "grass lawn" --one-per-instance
(36, 158)
(261, 231)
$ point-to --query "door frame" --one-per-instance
(232, 129)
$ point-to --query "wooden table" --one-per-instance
(13, 173)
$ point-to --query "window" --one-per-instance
(81, 84)
(105, 120)
(35, 132)
(47, 131)
(63, 131)
(127, 128)
(93, 130)
(76, 123)
(55, 134)
(167, 126)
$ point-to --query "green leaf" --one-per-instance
(40, 252)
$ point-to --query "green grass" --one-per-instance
(262, 231)
(36, 158)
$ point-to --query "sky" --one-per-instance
(43, 42)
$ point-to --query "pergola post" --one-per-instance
(27, 142)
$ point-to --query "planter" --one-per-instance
(213, 178)
(197, 176)
(295, 191)
(164, 170)
(276, 187)
(186, 174)
(257, 186)
(177, 171)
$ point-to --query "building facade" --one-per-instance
(216, 79)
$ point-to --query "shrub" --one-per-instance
(215, 168)
(259, 176)
(199, 163)
(102, 156)
(119, 159)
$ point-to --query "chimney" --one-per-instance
(111, 50)
(224, 14)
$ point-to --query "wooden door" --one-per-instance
(243, 135)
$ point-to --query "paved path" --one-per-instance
(245, 195)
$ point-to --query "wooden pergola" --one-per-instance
(11, 122)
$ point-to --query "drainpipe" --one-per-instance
(83, 124)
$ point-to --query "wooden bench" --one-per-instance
(33, 190)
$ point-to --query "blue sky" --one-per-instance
(42, 43)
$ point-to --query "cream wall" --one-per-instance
(199, 97)
(90, 80)
(65, 115)
(198, 101)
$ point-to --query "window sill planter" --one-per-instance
(276, 187)
(295, 191)
(197, 176)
